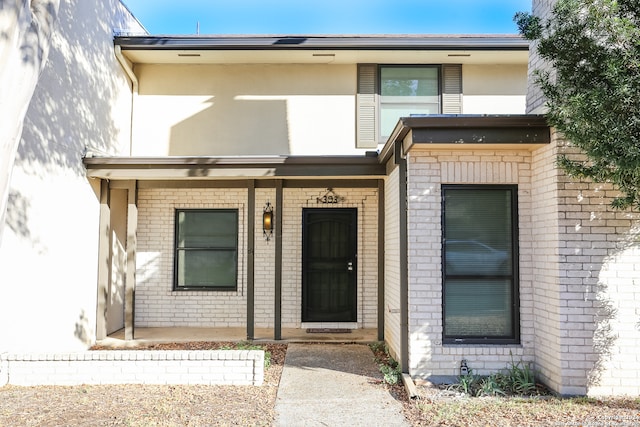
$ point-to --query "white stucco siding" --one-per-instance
(218, 110)
(49, 247)
(494, 89)
(428, 357)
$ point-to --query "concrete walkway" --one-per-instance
(334, 385)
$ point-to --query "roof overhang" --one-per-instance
(267, 167)
(497, 49)
(469, 132)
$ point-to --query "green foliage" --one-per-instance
(246, 345)
(391, 374)
(593, 90)
(518, 380)
(388, 366)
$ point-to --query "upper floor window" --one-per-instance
(407, 91)
(388, 92)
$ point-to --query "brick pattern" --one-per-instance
(535, 99)
(546, 272)
(208, 367)
(427, 172)
(366, 201)
(598, 289)
(157, 305)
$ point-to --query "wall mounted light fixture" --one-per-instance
(267, 221)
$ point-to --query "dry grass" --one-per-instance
(138, 405)
(439, 407)
(146, 405)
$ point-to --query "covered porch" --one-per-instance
(138, 301)
(264, 335)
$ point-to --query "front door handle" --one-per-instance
(350, 266)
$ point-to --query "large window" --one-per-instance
(480, 262)
(206, 249)
(407, 91)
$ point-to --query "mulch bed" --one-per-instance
(147, 405)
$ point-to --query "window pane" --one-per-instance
(215, 268)
(407, 91)
(389, 114)
(478, 232)
(479, 280)
(478, 308)
(206, 249)
(409, 81)
(207, 229)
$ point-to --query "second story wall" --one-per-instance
(281, 109)
(252, 109)
(494, 89)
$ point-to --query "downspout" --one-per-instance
(401, 161)
(126, 66)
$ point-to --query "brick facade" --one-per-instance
(158, 305)
(586, 272)
(429, 358)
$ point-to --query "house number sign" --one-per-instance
(330, 198)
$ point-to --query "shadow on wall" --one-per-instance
(83, 332)
(233, 127)
(74, 105)
(616, 306)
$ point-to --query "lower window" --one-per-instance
(206, 249)
(480, 261)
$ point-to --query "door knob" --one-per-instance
(350, 266)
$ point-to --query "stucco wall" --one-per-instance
(494, 89)
(277, 109)
(157, 305)
(429, 358)
(49, 247)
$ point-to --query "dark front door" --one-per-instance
(329, 265)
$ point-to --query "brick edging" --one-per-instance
(209, 367)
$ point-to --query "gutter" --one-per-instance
(127, 67)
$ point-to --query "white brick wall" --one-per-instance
(427, 172)
(599, 297)
(366, 201)
(157, 305)
(535, 100)
(214, 367)
(547, 324)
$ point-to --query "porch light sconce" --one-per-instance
(267, 221)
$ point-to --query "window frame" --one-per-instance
(176, 249)
(514, 277)
(438, 67)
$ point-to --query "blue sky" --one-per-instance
(328, 16)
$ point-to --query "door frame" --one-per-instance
(353, 243)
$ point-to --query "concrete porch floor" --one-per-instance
(163, 335)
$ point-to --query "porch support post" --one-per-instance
(251, 242)
(104, 260)
(130, 284)
(404, 259)
(381, 260)
(277, 330)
